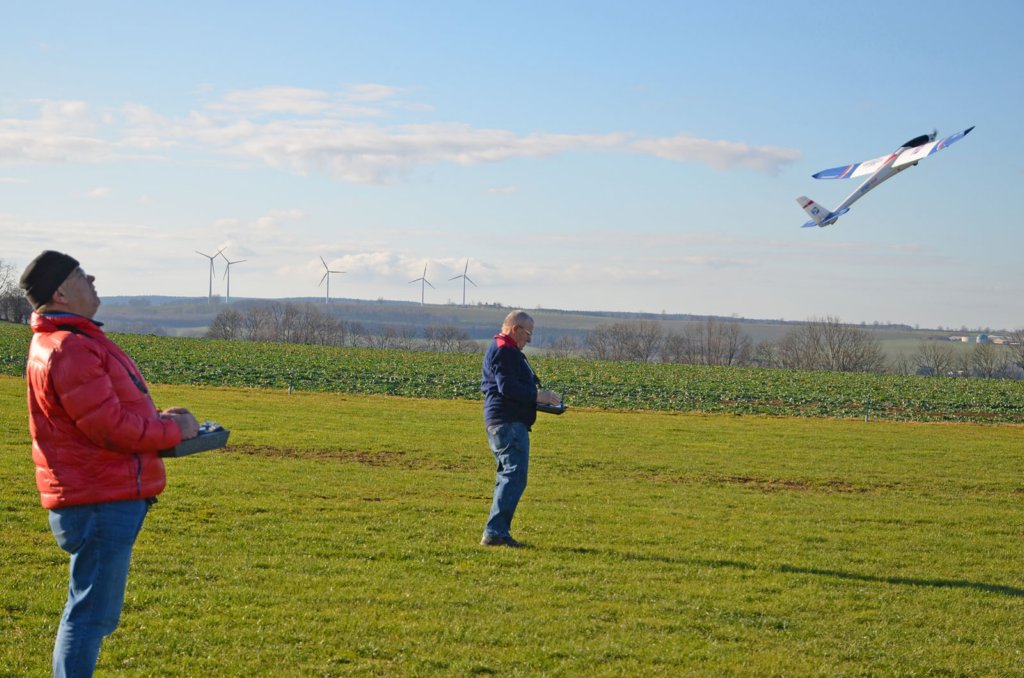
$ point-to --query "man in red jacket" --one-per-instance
(96, 435)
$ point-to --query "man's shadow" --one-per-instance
(1000, 589)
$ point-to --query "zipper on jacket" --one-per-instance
(138, 474)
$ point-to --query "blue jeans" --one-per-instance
(99, 538)
(510, 444)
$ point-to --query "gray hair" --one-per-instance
(515, 318)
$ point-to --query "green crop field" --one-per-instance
(337, 535)
(584, 383)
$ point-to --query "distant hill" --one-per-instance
(191, 316)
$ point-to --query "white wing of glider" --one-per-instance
(857, 169)
(907, 157)
(913, 155)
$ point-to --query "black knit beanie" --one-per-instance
(45, 274)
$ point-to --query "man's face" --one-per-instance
(78, 293)
(523, 334)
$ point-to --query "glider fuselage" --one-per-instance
(884, 172)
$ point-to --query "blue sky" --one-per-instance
(640, 156)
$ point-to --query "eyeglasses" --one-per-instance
(529, 333)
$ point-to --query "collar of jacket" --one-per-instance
(52, 320)
(505, 340)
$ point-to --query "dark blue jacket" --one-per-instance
(509, 385)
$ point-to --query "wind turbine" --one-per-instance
(422, 280)
(209, 299)
(327, 277)
(465, 279)
(227, 275)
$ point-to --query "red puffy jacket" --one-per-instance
(95, 430)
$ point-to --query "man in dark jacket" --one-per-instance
(511, 393)
(96, 435)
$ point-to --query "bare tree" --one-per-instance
(293, 325)
(709, 343)
(13, 304)
(323, 329)
(902, 364)
(602, 343)
(933, 359)
(766, 354)
(257, 324)
(645, 341)
(307, 324)
(985, 361)
(361, 335)
(850, 348)
(1016, 348)
(564, 346)
(639, 340)
(227, 325)
(448, 339)
(356, 332)
(828, 344)
(405, 338)
(801, 349)
(676, 348)
(962, 364)
(388, 337)
(732, 346)
(287, 323)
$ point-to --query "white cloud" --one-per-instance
(294, 101)
(274, 100)
(269, 235)
(273, 223)
(384, 264)
(13, 180)
(98, 193)
(65, 131)
(372, 153)
(301, 101)
(362, 153)
(309, 131)
(373, 92)
(227, 222)
(139, 245)
(721, 155)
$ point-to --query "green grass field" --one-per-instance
(337, 535)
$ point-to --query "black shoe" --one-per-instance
(495, 540)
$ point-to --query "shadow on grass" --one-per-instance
(792, 569)
(909, 581)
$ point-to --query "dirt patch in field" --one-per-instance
(383, 458)
(784, 485)
(771, 484)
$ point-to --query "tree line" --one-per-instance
(819, 344)
(306, 323)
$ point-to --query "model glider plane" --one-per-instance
(879, 169)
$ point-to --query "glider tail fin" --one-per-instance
(818, 213)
